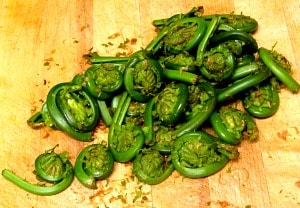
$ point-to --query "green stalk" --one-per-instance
(241, 85)
(104, 111)
(186, 77)
(212, 26)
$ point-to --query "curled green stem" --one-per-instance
(278, 70)
(238, 22)
(184, 34)
(250, 44)
(59, 117)
(218, 63)
(262, 101)
(232, 124)
(142, 77)
(51, 168)
(198, 154)
(94, 162)
(170, 103)
(151, 167)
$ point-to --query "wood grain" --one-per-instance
(42, 43)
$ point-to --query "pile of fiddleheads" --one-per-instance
(159, 102)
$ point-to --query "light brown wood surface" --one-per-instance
(33, 32)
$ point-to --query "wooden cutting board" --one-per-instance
(42, 43)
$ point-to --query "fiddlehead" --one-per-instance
(218, 64)
(94, 162)
(80, 110)
(127, 140)
(184, 34)
(238, 22)
(198, 154)
(142, 77)
(182, 62)
(73, 110)
(101, 80)
(170, 103)
(280, 67)
(232, 124)
(50, 167)
(263, 100)
(151, 167)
